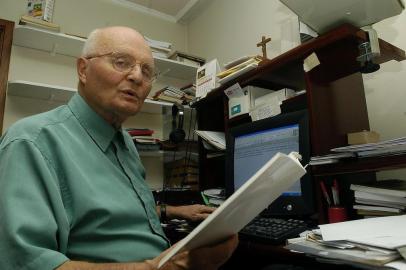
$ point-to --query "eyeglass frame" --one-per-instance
(131, 68)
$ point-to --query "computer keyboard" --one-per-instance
(272, 230)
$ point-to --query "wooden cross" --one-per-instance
(263, 45)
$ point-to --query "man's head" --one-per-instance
(115, 71)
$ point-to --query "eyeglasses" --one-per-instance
(125, 63)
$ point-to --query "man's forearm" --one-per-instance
(77, 265)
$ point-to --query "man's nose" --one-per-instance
(135, 74)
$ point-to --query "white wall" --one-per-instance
(229, 29)
(79, 17)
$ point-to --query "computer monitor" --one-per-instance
(250, 146)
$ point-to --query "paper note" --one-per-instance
(311, 62)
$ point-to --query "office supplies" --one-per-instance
(337, 214)
(325, 193)
(280, 172)
(336, 193)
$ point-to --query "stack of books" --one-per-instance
(174, 95)
(143, 139)
(160, 49)
(38, 23)
(182, 173)
(382, 198)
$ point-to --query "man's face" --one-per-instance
(111, 91)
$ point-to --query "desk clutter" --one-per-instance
(376, 243)
(382, 198)
(391, 147)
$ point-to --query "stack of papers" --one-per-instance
(238, 67)
(390, 147)
(376, 242)
(330, 158)
(382, 198)
(214, 139)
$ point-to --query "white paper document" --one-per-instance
(385, 232)
(277, 175)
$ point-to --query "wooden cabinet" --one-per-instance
(334, 98)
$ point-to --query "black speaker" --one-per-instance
(177, 134)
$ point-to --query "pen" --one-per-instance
(335, 192)
(324, 190)
(206, 201)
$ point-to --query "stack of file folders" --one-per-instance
(375, 243)
(382, 198)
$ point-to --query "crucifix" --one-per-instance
(263, 45)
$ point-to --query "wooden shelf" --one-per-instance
(63, 94)
(59, 43)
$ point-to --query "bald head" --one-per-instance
(103, 40)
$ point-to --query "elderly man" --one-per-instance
(73, 194)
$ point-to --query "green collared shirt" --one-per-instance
(73, 187)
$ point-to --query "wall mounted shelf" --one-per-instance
(63, 94)
(69, 45)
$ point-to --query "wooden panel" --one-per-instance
(6, 39)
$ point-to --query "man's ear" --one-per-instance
(81, 66)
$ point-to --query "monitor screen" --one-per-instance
(251, 145)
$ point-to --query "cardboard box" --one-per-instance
(41, 9)
(238, 105)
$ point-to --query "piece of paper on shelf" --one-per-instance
(311, 62)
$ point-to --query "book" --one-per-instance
(140, 131)
(275, 176)
(392, 187)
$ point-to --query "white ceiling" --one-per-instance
(173, 10)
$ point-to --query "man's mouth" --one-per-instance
(130, 93)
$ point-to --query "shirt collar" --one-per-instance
(98, 129)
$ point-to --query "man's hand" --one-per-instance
(195, 212)
(205, 258)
